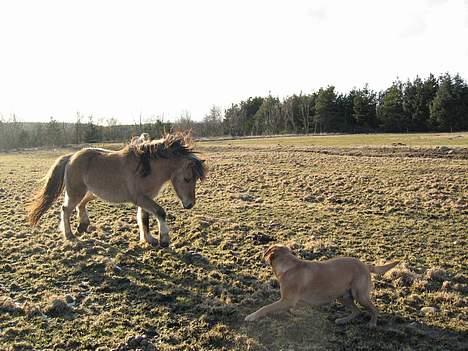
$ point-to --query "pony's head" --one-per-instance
(185, 178)
(179, 148)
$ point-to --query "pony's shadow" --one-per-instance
(181, 291)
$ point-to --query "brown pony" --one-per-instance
(134, 174)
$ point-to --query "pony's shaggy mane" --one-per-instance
(172, 145)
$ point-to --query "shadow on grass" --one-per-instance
(191, 290)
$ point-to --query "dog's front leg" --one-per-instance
(281, 305)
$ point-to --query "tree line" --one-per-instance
(421, 105)
(17, 134)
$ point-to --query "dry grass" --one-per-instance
(110, 292)
(403, 276)
(437, 274)
(7, 305)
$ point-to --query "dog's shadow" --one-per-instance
(315, 326)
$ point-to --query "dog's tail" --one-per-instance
(381, 269)
(51, 190)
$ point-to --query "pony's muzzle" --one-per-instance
(188, 206)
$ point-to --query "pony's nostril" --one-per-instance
(189, 206)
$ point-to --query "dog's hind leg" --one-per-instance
(365, 301)
(348, 301)
(83, 213)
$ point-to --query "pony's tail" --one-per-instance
(50, 191)
(381, 269)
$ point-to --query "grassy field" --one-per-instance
(358, 140)
(377, 198)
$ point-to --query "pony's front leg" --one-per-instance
(143, 225)
(150, 206)
(163, 230)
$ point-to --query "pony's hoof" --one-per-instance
(83, 227)
(71, 238)
(153, 243)
(164, 244)
(150, 241)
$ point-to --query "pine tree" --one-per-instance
(364, 108)
(345, 104)
(326, 117)
(449, 109)
(390, 111)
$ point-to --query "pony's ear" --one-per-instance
(188, 137)
(205, 171)
(199, 168)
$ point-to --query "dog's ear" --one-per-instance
(269, 254)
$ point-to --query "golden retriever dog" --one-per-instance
(344, 278)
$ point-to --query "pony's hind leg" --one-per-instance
(143, 225)
(69, 203)
(83, 213)
(152, 207)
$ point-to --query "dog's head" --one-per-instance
(274, 252)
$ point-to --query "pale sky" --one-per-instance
(125, 58)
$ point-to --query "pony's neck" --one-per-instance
(165, 167)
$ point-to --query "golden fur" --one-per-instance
(343, 278)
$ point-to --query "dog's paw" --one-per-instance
(250, 318)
